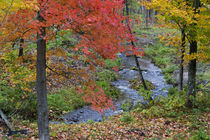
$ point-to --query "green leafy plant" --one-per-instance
(104, 79)
(64, 39)
(110, 63)
(126, 106)
(106, 75)
(90, 121)
(126, 118)
(200, 135)
(11, 100)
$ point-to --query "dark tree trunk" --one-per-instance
(192, 75)
(133, 44)
(181, 71)
(155, 18)
(21, 47)
(41, 84)
(192, 64)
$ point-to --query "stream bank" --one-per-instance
(151, 73)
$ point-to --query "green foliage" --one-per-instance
(160, 54)
(104, 79)
(106, 75)
(11, 100)
(174, 105)
(152, 30)
(56, 102)
(204, 76)
(169, 78)
(110, 63)
(165, 106)
(126, 106)
(90, 121)
(200, 135)
(64, 39)
(64, 100)
(137, 84)
(109, 89)
(126, 118)
(170, 69)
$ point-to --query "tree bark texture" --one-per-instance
(192, 75)
(192, 64)
(41, 84)
(21, 47)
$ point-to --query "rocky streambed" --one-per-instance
(151, 73)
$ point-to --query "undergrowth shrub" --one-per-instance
(126, 117)
(174, 104)
(200, 135)
(105, 77)
(64, 100)
(14, 100)
(113, 63)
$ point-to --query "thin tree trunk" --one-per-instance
(43, 121)
(134, 46)
(144, 16)
(5, 120)
(21, 47)
(181, 71)
(147, 19)
(151, 16)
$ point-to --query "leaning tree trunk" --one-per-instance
(192, 64)
(41, 83)
(181, 71)
(134, 46)
(4, 118)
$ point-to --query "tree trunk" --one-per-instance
(181, 71)
(21, 47)
(147, 18)
(151, 16)
(41, 84)
(192, 75)
(144, 16)
(134, 46)
(192, 64)
(4, 118)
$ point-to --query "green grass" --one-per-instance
(105, 77)
(63, 100)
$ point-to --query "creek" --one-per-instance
(150, 72)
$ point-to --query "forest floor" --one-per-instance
(146, 124)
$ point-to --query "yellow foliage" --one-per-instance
(196, 25)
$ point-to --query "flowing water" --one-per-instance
(150, 73)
